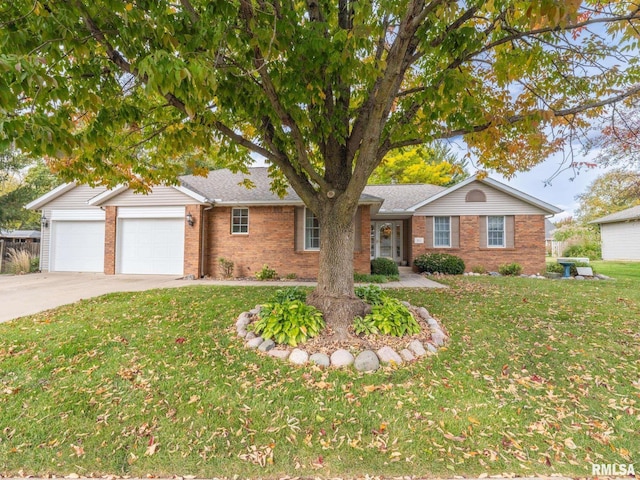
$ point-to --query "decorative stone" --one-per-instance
(438, 337)
(255, 342)
(406, 355)
(389, 355)
(250, 336)
(433, 324)
(320, 359)
(405, 303)
(298, 357)
(431, 348)
(585, 271)
(579, 277)
(424, 313)
(267, 345)
(278, 353)
(242, 332)
(341, 358)
(255, 311)
(367, 361)
(602, 276)
(417, 348)
(243, 320)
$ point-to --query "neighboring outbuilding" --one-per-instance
(620, 235)
(20, 236)
(186, 229)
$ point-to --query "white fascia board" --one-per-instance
(552, 209)
(106, 195)
(191, 193)
(40, 202)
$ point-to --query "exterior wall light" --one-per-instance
(190, 220)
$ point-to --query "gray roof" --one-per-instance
(224, 186)
(632, 213)
(20, 233)
(399, 198)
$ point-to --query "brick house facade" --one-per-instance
(185, 230)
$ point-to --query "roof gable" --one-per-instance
(629, 214)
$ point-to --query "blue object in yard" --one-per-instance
(567, 268)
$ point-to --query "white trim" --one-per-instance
(151, 212)
(191, 193)
(305, 232)
(106, 195)
(504, 231)
(492, 183)
(434, 231)
(38, 203)
(77, 215)
(240, 225)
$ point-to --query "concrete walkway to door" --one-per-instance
(22, 295)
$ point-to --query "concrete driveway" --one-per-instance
(22, 295)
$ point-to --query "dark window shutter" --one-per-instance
(429, 232)
(510, 230)
(482, 228)
(299, 229)
(455, 232)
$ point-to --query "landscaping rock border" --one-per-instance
(363, 361)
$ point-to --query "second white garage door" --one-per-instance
(151, 245)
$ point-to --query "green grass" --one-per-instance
(537, 379)
(619, 270)
(375, 278)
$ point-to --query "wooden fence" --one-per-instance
(5, 246)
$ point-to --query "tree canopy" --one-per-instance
(434, 164)
(127, 91)
(609, 193)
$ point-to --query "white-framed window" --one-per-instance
(495, 231)
(311, 231)
(441, 231)
(239, 220)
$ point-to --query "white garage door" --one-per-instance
(151, 245)
(77, 246)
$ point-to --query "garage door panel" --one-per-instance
(151, 246)
(78, 246)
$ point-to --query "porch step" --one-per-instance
(405, 269)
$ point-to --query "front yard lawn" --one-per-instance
(540, 377)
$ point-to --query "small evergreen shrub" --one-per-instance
(35, 264)
(291, 322)
(371, 294)
(287, 294)
(266, 273)
(440, 262)
(384, 266)
(510, 269)
(555, 267)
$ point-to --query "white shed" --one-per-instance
(620, 235)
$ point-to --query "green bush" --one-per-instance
(510, 269)
(391, 317)
(286, 294)
(365, 326)
(367, 278)
(291, 322)
(440, 262)
(372, 294)
(266, 273)
(35, 264)
(479, 269)
(226, 267)
(384, 266)
(555, 268)
(593, 251)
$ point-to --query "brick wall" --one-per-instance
(528, 251)
(271, 240)
(111, 217)
(193, 236)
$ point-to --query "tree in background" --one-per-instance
(434, 164)
(118, 91)
(609, 193)
(22, 180)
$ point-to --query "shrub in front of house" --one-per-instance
(266, 273)
(383, 266)
(439, 263)
(510, 269)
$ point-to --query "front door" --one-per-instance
(386, 240)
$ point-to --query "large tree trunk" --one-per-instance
(334, 295)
